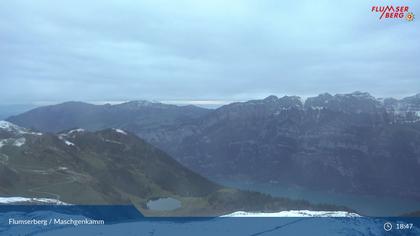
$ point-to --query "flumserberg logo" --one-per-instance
(393, 12)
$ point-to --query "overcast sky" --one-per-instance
(53, 51)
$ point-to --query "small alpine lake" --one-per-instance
(164, 204)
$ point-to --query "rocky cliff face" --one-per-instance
(352, 143)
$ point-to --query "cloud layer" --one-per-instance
(198, 50)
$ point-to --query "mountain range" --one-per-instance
(346, 142)
(113, 166)
(135, 116)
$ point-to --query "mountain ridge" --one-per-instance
(343, 142)
(114, 166)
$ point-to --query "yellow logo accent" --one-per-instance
(410, 16)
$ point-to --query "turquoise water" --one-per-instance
(363, 204)
(164, 204)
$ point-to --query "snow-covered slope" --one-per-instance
(20, 200)
(11, 134)
(300, 213)
(10, 127)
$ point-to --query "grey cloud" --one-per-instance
(192, 50)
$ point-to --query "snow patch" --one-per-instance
(10, 127)
(76, 131)
(19, 142)
(11, 141)
(120, 131)
(11, 200)
(68, 143)
(295, 213)
(7, 125)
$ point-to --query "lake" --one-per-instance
(164, 204)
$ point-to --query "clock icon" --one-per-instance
(387, 226)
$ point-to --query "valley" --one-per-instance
(114, 167)
(362, 148)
